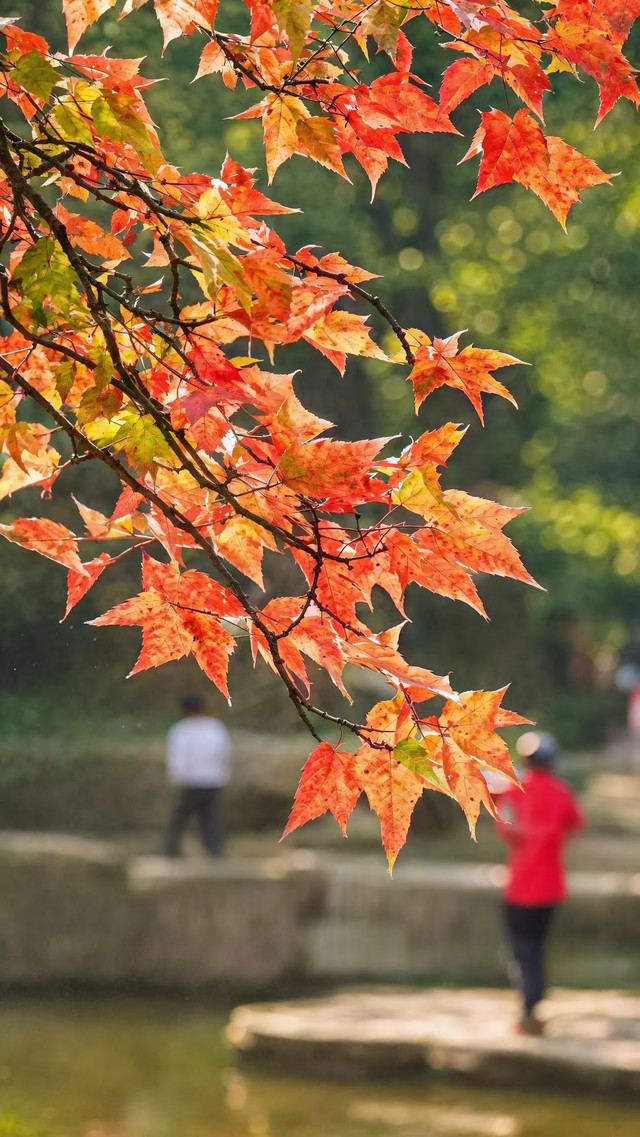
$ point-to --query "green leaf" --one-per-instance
(383, 21)
(142, 442)
(65, 378)
(413, 755)
(45, 274)
(294, 18)
(115, 117)
(34, 72)
(103, 373)
(219, 265)
(71, 124)
(98, 405)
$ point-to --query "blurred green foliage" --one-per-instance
(11, 1126)
(501, 267)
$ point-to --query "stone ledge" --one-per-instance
(592, 1039)
(20, 844)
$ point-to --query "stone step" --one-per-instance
(592, 1038)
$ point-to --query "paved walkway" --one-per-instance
(592, 1038)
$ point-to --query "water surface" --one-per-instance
(155, 1068)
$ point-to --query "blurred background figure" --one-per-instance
(198, 761)
(535, 825)
(628, 680)
(633, 723)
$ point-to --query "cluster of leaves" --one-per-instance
(215, 453)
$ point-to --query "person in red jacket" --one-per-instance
(535, 825)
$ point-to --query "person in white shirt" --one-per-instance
(198, 762)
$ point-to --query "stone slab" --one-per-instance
(592, 1038)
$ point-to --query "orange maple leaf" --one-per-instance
(179, 613)
(49, 538)
(440, 363)
(468, 741)
(392, 789)
(466, 782)
(587, 47)
(516, 150)
(510, 149)
(327, 783)
(470, 529)
(280, 119)
(80, 14)
(79, 583)
(461, 79)
(328, 469)
(182, 17)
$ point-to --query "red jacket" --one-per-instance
(535, 825)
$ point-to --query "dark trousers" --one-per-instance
(528, 929)
(202, 802)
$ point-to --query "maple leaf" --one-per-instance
(588, 48)
(280, 119)
(302, 629)
(212, 645)
(39, 469)
(530, 83)
(339, 333)
(293, 424)
(142, 441)
(426, 560)
(179, 614)
(213, 59)
(472, 722)
(469, 370)
(382, 20)
(316, 138)
(79, 583)
(392, 100)
(392, 789)
(461, 79)
(511, 149)
(469, 529)
(80, 14)
(294, 19)
(420, 490)
(517, 150)
(418, 757)
(181, 17)
(325, 468)
(164, 636)
(613, 17)
(467, 730)
(434, 446)
(373, 652)
(88, 235)
(328, 784)
(242, 543)
(569, 172)
(49, 538)
(467, 784)
(102, 528)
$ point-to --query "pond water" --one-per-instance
(153, 1068)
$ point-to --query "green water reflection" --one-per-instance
(148, 1068)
